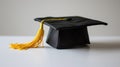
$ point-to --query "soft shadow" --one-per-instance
(80, 47)
(76, 47)
(105, 45)
(45, 47)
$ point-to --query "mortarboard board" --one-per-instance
(69, 32)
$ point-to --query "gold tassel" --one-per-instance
(37, 39)
(34, 43)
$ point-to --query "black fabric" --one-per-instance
(68, 38)
(71, 22)
(69, 33)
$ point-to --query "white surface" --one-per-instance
(103, 52)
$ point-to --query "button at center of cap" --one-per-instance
(75, 20)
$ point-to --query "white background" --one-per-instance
(17, 25)
(16, 16)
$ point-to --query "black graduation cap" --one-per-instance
(69, 33)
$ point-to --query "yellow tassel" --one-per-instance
(37, 39)
(34, 43)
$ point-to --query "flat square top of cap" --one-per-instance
(70, 22)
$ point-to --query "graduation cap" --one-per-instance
(68, 32)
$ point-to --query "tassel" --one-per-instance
(37, 39)
(34, 43)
